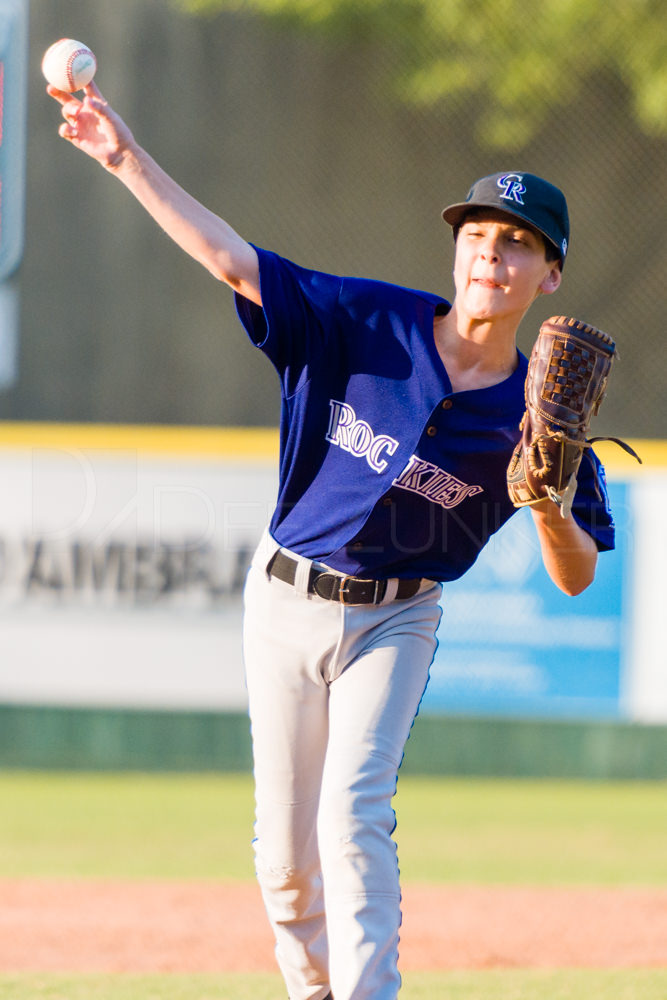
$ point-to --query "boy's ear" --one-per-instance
(551, 282)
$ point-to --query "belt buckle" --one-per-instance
(342, 592)
(344, 580)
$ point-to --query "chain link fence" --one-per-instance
(302, 141)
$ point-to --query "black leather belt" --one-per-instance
(344, 589)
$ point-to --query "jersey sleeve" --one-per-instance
(591, 509)
(295, 319)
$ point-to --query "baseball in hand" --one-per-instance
(69, 65)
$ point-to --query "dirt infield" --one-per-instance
(202, 927)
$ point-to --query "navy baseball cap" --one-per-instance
(527, 196)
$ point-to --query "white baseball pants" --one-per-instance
(333, 692)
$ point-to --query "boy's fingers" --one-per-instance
(65, 131)
(61, 96)
(92, 90)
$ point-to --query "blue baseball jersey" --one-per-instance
(384, 470)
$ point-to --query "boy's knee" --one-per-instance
(288, 874)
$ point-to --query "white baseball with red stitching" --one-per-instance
(69, 65)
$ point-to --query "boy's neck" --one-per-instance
(475, 353)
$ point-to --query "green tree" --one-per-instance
(515, 59)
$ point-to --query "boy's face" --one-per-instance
(500, 267)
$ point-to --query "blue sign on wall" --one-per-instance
(511, 643)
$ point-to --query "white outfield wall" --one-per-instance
(123, 552)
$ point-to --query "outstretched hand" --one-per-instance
(93, 126)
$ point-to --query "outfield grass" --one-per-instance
(126, 826)
(540, 832)
(200, 826)
(579, 984)
(449, 830)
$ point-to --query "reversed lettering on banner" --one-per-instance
(121, 572)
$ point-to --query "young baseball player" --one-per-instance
(400, 412)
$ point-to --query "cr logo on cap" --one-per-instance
(512, 187)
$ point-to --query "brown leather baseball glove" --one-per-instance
(565, 385)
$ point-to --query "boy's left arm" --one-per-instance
(569, 553)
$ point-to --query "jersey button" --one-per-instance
(431, 431)
(357, 545)
(387, 502)
(447, 404)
